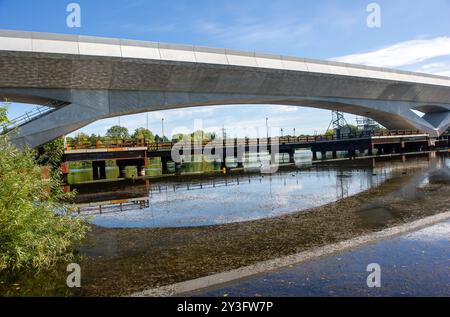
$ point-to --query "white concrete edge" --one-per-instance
(400, 136)
(108, 47)
(271, 265)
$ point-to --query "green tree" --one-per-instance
(353, 129)
(196, 136)
(52, 153)
(142, 133)
(329, 133)
(36, 229)
(118, 132)
(81, 138)
(94, 138)
(3, 115)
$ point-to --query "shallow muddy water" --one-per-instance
(413, 264)
(120, 261)
(238, 198)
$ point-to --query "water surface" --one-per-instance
(238, 198)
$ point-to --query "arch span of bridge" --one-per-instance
(85, 79)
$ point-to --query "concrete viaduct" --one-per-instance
(85, 79)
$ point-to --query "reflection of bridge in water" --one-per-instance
(366, 174)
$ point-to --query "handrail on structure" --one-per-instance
(31, 115)
(161, 146)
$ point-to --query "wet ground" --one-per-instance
(413, 264)
(121, 261)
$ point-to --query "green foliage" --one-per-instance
(329, 133)
(353, 129)
(52, 153)
(195, 136)
(3, 114)
(142, 133)
(31, 234)
(159, 139)
(3, 117)
(118, 132)
(93, 139)
(81, 138)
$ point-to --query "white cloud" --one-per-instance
(402, 54)
(438, 68)
(251, 33)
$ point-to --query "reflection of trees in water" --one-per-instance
(343, 181)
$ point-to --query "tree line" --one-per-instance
(117, 132)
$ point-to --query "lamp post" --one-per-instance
(162, 128)
(282, 132)
(267, 128)
(294, 132)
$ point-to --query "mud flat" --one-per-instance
(288, 261)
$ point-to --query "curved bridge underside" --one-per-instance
(97, 78)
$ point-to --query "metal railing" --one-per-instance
(165, 146)
(28, 116)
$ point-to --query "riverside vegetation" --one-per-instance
(36, 228)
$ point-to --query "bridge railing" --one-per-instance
(164, 146)
(31, 115)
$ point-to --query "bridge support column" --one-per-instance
(351, 154)
(292, 157)
(164, 161)
(334, 154)
(141, 170)
(314, 153)
(99, 170)
(122, 171)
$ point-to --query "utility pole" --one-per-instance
(224, 133)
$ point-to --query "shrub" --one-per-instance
(36, 229)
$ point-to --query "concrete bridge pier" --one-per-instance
(99, 170)
(164, 161)
(292, 156)
(352, 154)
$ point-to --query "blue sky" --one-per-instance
(413, 36)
